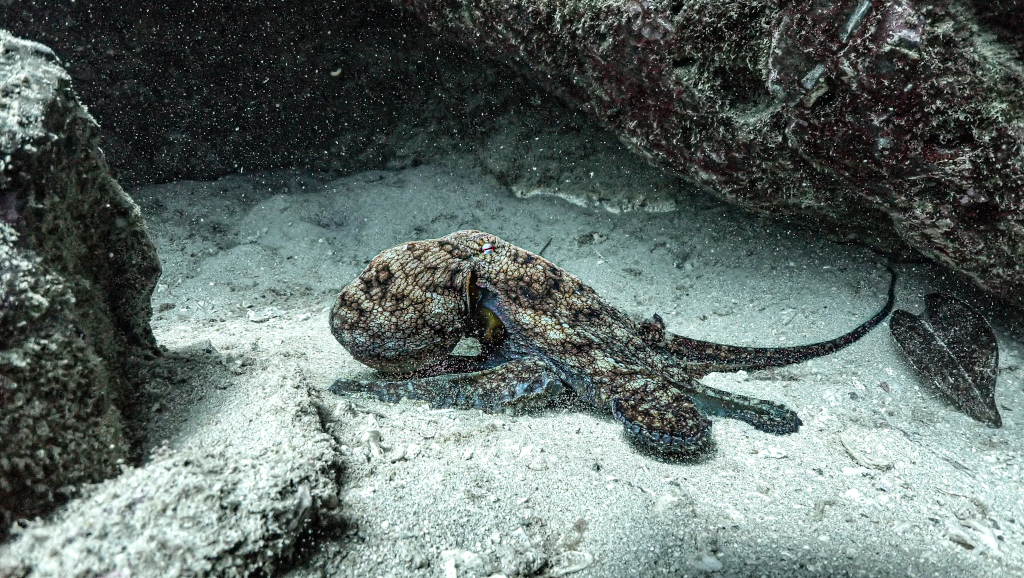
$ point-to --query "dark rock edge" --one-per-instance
(77, 270)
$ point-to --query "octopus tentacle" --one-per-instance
(764, 415)
(662, 419)
(702, 357)
(515, 386)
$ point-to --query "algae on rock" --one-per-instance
(76, 273)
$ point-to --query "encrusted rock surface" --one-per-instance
(76, 273)
(897, 122)
(217, 507)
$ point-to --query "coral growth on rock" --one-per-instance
(895, 123)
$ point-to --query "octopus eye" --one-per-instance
(487, 248)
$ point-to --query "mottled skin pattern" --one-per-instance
(541, 329)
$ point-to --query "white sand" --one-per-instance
(251, 266)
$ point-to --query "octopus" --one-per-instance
(542, 334)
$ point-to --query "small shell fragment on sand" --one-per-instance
(772, 453)
(570, 562)
(868, 461)
(454, 560)
(263, 316)
(538, 463)
(371, 437)
(981, 538)
(707, 563)
(411, 451)
(397, 455)
(666, 502)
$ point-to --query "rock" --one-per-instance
(897, 124)
(237, 497)
(76, 273)
(191, 513)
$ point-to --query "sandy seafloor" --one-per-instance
(252, 264)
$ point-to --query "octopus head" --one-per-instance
(409, 307)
